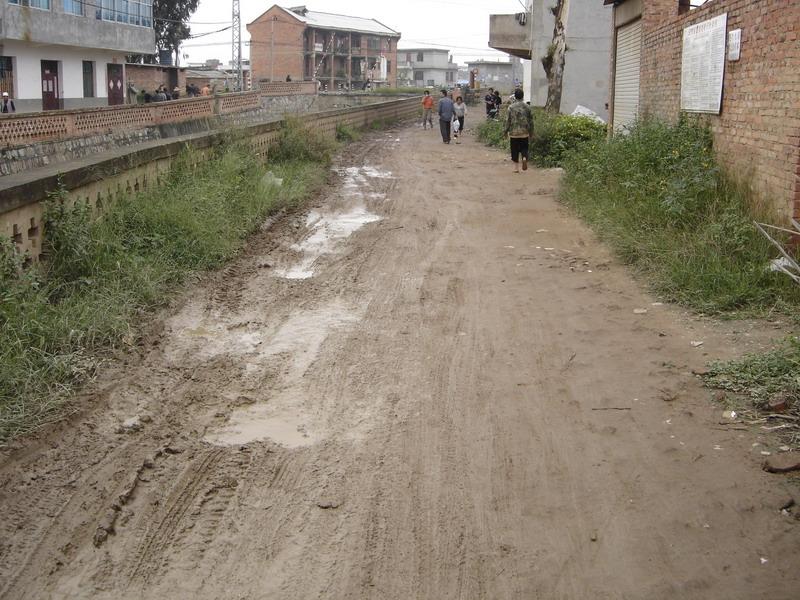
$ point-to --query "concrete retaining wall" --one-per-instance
(99, 182)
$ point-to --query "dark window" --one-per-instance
(408, 57)
(420, 57)
(373, 43)
(419, 75)
(356, 41)
(7, 75)
(388, 67)
(88, 79)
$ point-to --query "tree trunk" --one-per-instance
(554, 62)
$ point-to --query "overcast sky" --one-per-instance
(461, 25)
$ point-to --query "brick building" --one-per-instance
(751, 101)
(337, 50)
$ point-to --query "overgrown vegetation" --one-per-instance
(554, 135)
(101, 275)
(756, 380)
(658, 197)
(346, 133)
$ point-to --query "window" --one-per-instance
(88, 79)
(419, 75)
(408, 57)
(373, 43)
(73, 7)
(7, 75)
(388, 67)
(130, 12)
(356, 41)
(449, 76)
(43, 4)
(420, 57)
(431, 83)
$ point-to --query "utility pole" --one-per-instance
(237, 46)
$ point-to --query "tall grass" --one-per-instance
(102, 275)
(553, 137)
(660, 199)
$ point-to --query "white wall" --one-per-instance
(28, 72)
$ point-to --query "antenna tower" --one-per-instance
(237, 46)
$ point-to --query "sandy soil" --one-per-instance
(434, 385)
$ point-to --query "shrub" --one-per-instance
(346, 133)
(659, 198)
(553, 137)
(296, 142)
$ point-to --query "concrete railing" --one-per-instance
(27, 128)
(99, 182)
(288, 88)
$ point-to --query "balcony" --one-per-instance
(511, 34)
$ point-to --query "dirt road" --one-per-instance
(434, 385)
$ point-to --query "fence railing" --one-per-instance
(26, 128)
(288, 88)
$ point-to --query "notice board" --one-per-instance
(703, 65)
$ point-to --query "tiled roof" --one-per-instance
(342, 22)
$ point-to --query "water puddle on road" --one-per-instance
(283, 417)
(327, 230)
(258, 423)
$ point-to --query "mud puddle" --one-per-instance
(290, 416)
(327, 231)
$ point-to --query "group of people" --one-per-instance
(452, 114)
(162, 94)
(518, 122)
(493, 101)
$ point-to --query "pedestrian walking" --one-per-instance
(7, 105)
(460, 113)
(427, 110)
(519, 129)
(445, 116)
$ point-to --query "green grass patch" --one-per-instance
(103, 275)
(554, 135)
(752, 382)
(659, 198)
(347, 133)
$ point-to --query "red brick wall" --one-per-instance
(757, 133)
(288, 45)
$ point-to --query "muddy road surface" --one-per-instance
(431, 385)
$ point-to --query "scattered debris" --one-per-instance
(764, 560)
(782, 463)
(269, 180)
(583, 111)
(542, 231)
(701, 372)
(593, 537)
(696, 344)
(779, 403)
(613, 408)
(730, 414)
(640, 311)
(329, 504)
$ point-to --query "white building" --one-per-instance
(70, 53)
(529, 35)
(428, 67)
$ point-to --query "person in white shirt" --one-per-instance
(7, 104)
(459, 112)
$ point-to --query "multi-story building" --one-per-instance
(339, 51)
(529, 35)
(429, 67)
(70, 53)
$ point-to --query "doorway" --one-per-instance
(116, 87)
(51, 97)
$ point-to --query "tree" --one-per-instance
(170, 20)
(555, 59)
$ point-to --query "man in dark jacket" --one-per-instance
(7, 105)
(446, 110)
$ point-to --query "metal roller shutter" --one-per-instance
(626, 74)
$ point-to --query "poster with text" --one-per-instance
(703, 65)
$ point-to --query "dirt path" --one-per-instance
(410, 393)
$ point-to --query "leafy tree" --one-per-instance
(170, 20)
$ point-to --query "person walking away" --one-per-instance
(427, 110)
(489, 100)
(460, 112)
(445, 116)
(7, 105)
(519, 129)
